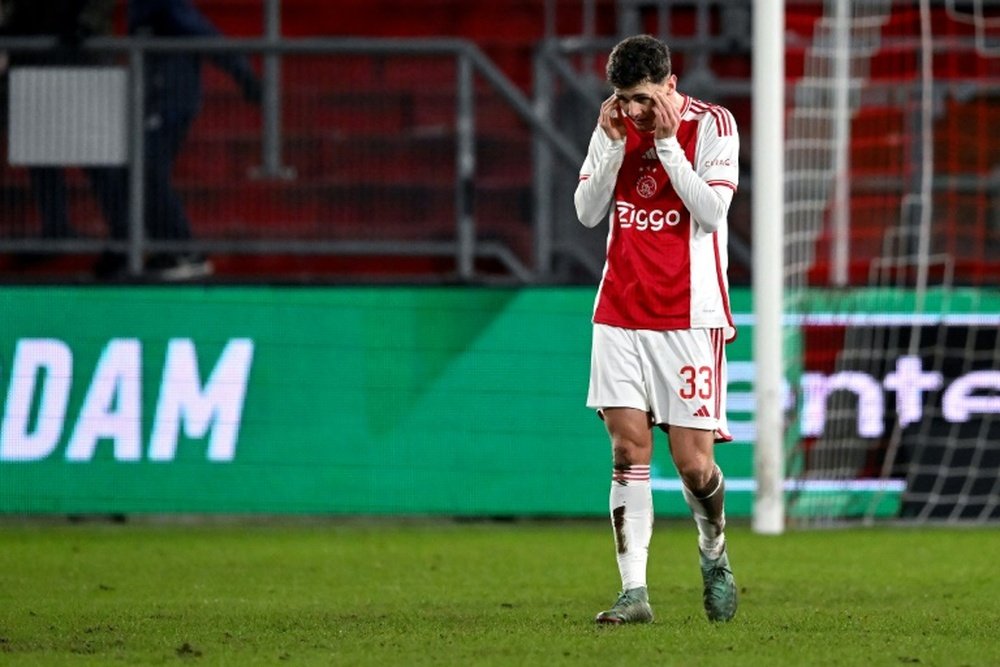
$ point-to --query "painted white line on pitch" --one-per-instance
(880, 319)
(813, 485)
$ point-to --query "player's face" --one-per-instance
(637, 102)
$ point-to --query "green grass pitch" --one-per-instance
(386, 592)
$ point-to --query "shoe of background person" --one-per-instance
(178, 267)
(720, 587)
(632, 607)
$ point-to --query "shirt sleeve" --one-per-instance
(708, 190)
(597, 178)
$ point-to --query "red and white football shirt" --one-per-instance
(665, 269)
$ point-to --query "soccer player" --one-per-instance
(662, 169)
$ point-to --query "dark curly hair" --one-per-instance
(637, 59)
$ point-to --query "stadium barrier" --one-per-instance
(407, 400)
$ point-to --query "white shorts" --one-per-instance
(678, 377)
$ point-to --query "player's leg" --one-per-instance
(631, 506)
(616, 380)
(704, 490)
(703, 484)
(689, 390)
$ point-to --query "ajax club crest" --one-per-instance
(645, 186)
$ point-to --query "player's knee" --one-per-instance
(697, 474)
(629, 451)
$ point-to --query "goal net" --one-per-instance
(892, 261)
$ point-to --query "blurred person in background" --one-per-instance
(71, 22)
(172, 102)
(662, 168)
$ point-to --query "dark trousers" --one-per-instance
(165, 215)
(108, 184)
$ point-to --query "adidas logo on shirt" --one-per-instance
(650, 154)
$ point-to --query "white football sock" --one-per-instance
(709, 515)
(632, 519)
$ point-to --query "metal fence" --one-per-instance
(367, 147)
(418, 153)
(379, 148)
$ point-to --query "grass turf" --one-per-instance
(411, 593)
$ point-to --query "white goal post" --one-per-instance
(768, 241)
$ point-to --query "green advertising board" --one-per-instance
(306, 400)
(363, 400)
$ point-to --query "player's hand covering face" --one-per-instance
(652, 107)
(611, 119)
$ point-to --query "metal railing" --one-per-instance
(541, 145)
(470, 63)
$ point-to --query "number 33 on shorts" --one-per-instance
(697, 382)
